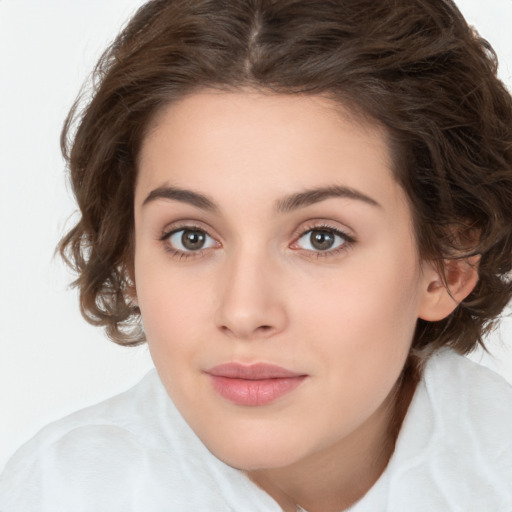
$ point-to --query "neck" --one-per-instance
(337, 477)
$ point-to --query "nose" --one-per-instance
(251, 298)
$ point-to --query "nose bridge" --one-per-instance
(250, 302)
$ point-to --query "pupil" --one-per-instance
(192, 240)
(322, 240)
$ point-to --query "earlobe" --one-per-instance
(442, 296)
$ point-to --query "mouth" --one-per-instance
(253, 385)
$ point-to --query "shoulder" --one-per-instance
(456, 440)
(107, 442)
(131, 452)
(116, 420)
(465, 394)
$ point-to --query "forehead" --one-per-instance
(261, 145)
(247, 112)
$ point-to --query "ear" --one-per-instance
(442, 295)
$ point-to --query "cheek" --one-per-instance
(361, 322)
(166, 310)
(175, 308)
(157, 297)
(361, 327)
(360, 297)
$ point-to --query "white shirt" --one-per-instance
(134, 452)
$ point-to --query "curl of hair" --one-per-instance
(415, 67)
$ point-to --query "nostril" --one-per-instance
(262, 330)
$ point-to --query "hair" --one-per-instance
(412, 66)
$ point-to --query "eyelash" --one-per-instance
(349, 241)
(184, 255)
(177, 253)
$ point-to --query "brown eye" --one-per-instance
(193, 240)
(322, 240)
(190, 240)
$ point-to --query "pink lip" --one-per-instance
(256, 384)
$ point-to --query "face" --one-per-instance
(276, 272)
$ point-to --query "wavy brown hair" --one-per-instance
(413, 66)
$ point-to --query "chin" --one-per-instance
(255, 454)
(254, 462)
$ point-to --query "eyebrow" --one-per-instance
(182, 195)
(287, 204)
(309, 197)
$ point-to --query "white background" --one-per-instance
(51, 361)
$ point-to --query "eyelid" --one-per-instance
(192, 225)
(169, 231)
(175, 232)
(349, 240)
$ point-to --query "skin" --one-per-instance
(260, 291)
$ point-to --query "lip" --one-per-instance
(255, 384)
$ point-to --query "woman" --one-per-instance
(304, 209)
